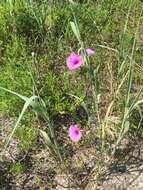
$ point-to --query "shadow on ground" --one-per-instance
(126, 172)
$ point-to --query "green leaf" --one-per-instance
(137, 103)
(126, 127)
(14, 93)
(75, 31)
(40, 109)
(26, 105)
(46, 138)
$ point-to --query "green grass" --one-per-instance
(112, 28)
(16, 168)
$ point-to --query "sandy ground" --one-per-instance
(120, 175)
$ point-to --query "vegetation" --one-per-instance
(43, 97)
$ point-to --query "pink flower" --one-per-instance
(74, 61)
(89, 52)
(74, 133)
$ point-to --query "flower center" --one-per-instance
(75, 61)
(76, 132)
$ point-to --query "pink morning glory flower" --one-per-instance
(89, 52)
(74, 133)
(74, 61)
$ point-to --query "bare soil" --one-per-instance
(42, 173)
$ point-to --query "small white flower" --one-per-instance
(33, 54)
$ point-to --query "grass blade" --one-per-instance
(26, 105)
(75, 31)
(14, 93)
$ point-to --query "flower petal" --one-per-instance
(90, 52)
(74, 133)
(74, 61)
